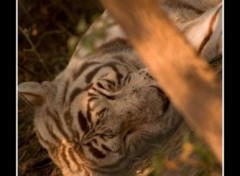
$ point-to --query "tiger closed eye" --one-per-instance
(109, 135)
(106, 84)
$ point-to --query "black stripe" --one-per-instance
(110, 82)
(166, 104)
(102, 136)
(130, 131)
(52, 134)
(110, 97)
(65, 91)
(83, 68)
(82, 122)
(92, 99)
(129, 78)
(127, 63)
(95, 141)
(86, 172)
(64, 156)
(98, 121)
(58, 123)
(120, 58)
(95, 152)
(90, 134)
(125, 79)
(149, 76)
(100, 85)
(101, 111)
(91, 94)
(115, 45)
(106, 148)
(91, 74)
(74, 159)
(210, 31)
(69, 121)
(119, 75)
(112, 65)
(76, 92)
(165, 99)
(188, 6)
(79, 151)
(46, 142)
(89, 115)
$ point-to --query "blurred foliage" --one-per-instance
(194, 158)
(48, 34)
(48, 31)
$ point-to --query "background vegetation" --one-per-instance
(48, 31)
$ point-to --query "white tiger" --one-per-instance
(104, 110)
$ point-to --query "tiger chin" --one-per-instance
(103, 125)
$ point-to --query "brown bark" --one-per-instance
(185, 77)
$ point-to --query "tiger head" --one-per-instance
(101, 124)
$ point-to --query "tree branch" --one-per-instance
(185, 77)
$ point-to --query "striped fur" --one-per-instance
(105, 110)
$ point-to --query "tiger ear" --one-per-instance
(32, 92)
(205, 33)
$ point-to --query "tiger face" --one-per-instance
(111, 114)
(113, 117)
